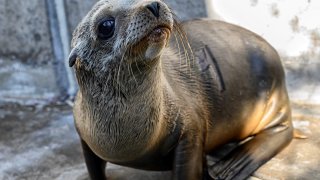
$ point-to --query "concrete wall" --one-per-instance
(29, 34)
(34, 44)
(76, 10)
(26, 55)
(292, 27)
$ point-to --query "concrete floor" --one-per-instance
(40, 142)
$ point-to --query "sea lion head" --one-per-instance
(121, 31)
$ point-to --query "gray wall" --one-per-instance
(25, 33)
(26, 56)
(34, 41)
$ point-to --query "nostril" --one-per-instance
(154, 8)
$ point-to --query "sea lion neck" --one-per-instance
(132, 100)
(131, 80)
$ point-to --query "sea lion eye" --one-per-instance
(106, 28)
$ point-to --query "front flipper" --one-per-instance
(95, 165)
(241, 162)
(189, 160)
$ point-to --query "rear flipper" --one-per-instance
(241, 162)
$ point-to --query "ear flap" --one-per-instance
(73, 57)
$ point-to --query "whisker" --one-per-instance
(185, 43)
(179, 49)
(141, 56)
(137, 66)
(118, 74)
(189, 46)
(131, 72)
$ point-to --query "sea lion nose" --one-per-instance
(154, 8)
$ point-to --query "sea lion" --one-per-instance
(148, 99)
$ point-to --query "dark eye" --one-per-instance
(106, 29)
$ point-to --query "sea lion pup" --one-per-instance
(148, 100)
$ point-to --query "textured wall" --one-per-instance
(24, 31)
(76, 10)
(25, 51)
(188, 9)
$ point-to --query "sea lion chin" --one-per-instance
(154, 42)
(157, 95)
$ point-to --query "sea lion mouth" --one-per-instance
(156, 37)
(159, 34)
